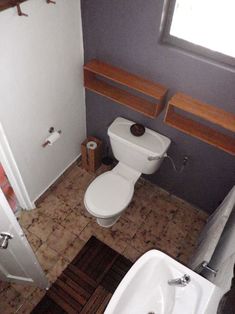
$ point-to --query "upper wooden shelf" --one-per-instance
(201, 131)
(94, 70)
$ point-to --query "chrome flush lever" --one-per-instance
(4, 241)
(150, 158)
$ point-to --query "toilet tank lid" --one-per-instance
(151, 142)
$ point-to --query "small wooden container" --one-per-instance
(91, 158)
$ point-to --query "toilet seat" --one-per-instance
(108, 195)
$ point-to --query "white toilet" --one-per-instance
(111, 192)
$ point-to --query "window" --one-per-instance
(206, 27)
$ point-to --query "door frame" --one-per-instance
(12, 171)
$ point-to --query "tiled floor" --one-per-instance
(58, 228)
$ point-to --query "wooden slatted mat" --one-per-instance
(88, 283)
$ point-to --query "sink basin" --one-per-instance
(145, 289)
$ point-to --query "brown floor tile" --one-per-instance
(170, 246)
(11, 300)
(114, 238)
(27, 216)
(42, 227)
(80, 178)
(47, 257)
(62, 188)
(4, 286)
(126, 227)
(137, 211)
(54, 208)
(36, 296)
(155, 224)
(131, 253)
(184, 218)
(75, 222)
(33, 240)
(175, 234)
(70, 195)
(7, 309)
(24, 290)
(92, 229)
(80, 210)
(144, 241)
(26, 308)
(73, 249)
(60, 239)
(186, 253)
(57, 269)
(72, 189)
(163, 206)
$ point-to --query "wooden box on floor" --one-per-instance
(91, 158)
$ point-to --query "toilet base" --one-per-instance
(107, 222)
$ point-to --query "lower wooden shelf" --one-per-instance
(123, 97)
(200, 131)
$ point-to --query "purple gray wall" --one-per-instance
(126, 33)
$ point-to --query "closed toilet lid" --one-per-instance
(108, 195)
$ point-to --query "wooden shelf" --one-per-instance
(206, 112)
(6, 4)
(95, 70)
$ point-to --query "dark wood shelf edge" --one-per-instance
(200, 131)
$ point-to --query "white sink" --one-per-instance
(145, 289)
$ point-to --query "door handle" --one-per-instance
(4, 241)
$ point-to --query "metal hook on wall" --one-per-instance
(20, 13)
(50, 1)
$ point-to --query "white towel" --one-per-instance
(224, 257)
(212, 232)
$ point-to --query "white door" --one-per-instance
(17, 260)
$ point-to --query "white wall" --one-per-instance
(41, 58)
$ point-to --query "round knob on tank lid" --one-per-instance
(137, 129)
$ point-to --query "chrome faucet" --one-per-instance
(181, 282)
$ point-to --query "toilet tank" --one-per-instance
(134, 151)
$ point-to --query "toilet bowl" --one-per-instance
(111, 192)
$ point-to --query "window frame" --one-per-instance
(184, 45)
